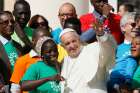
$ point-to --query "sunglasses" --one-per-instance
(6, 22)
(40, 24)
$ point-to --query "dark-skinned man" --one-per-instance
(22, 34)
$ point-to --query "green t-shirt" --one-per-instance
(28, 31)
(136, 78)
(40, 70)
(12, 53)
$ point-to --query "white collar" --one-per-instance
(127, 42)
(97, 14)
(32, 53)
(3, 40)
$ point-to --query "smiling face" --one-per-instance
(49, 51)
(6, 25)
(98, 5)
(71, 43)
(22, 13)
(135, 48)
(66, 11)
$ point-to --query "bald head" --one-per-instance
(67, 6)
(67, 10)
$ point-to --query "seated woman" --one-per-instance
(43, 76)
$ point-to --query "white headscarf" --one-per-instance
(40, 42)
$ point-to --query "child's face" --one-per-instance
(135, 48)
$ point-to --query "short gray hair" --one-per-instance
(124, 19)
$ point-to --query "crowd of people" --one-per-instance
(97, 52)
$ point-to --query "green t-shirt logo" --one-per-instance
(12, 53)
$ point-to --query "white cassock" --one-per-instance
(88, 72)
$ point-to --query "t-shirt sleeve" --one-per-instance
(31, 73)
(19, 70)
(130, 68)
(136, 78)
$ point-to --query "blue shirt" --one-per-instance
(86, 36)
(55, 34)
(125, 64)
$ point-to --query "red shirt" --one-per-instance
(112, 22)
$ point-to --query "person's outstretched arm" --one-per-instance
(29, 85)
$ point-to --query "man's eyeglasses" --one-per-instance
(66, 14)
(6, 22)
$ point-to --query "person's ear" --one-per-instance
(13, 12)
